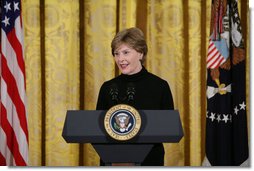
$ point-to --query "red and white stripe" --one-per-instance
(13, 117)
(214, 57)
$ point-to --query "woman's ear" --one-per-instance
(141, 56)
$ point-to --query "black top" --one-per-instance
(143, 91)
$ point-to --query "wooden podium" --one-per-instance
(87, 126)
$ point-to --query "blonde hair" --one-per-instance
(134, 38)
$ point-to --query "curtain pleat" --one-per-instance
(100, 27)
(31, 19)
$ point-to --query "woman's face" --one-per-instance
(128, 59)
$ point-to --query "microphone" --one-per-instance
(130, 91)
(114, 92)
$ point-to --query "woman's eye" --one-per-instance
(116, 54)
(125, 52)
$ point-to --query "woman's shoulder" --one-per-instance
(110, 82)
(156, 78)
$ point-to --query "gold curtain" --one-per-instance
(68, 57)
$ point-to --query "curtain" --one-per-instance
(68, 57)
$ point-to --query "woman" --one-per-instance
(135, 86)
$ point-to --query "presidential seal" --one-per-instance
(122, 122)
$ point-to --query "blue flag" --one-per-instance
(226, 120)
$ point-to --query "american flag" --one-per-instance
(13, 119)
(214, 58)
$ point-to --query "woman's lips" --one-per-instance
(123, 66)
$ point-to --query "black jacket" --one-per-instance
(144, 91)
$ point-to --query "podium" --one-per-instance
(87, 126)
